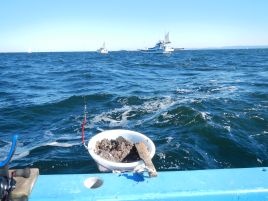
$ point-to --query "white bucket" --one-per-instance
(132, 136)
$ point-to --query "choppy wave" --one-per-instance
(203, 109)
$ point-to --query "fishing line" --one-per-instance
(84, 122)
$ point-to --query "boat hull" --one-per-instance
(199, 185)
(103, 51)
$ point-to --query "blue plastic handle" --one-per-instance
(11, 152)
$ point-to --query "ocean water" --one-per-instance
(203, 109)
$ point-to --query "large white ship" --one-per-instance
(162, 46)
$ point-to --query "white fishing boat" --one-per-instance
(103, 49)
(162, 46)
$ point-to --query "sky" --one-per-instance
(83, 25)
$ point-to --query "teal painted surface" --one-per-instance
(200, 185)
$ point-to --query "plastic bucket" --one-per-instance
(132, 136)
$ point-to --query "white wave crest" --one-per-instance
(106, 117)
(205, 115)
(21, 155)
(183, 91)
(228, 128)
(152, 106)
(230, 88)
(121, 116)
(169, 139)
(159, 104)
(61, 144)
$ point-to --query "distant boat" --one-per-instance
(29, 50)
(103, 49)
(163, 46)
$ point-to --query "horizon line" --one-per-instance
(137, 50)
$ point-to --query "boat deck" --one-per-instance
(218, 184)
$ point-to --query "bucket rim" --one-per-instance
(113, 133)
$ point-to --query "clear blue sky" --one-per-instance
(82, 25)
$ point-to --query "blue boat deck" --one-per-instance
(219, 184)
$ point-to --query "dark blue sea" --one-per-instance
(203, 109)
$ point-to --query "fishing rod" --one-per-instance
(84, 123)
(83, 127)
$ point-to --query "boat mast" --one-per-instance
(167, 38)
